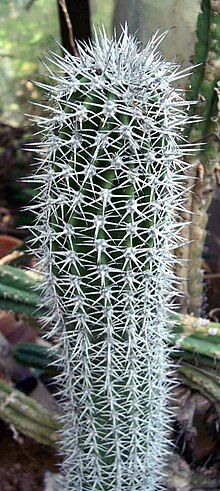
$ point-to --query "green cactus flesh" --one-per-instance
(18, 291)
(111, 186)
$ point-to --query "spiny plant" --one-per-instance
(111, 185)
(15, 294)
(203, 87)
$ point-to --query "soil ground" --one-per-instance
(23, 462)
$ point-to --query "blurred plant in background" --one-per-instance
(27, 29)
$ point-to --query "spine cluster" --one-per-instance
(111, 186)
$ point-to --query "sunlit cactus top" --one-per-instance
(110, 188)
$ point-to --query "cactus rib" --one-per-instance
(18, 291)
(27, 415)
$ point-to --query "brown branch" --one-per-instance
(69, 26)
(211, 276)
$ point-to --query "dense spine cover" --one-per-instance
(111, 186)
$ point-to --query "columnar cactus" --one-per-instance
(110, 188)
(203, 86)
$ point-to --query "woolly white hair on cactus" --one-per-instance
(111, 183)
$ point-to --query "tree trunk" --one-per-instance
(79, 14)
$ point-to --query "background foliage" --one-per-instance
(27, 30)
